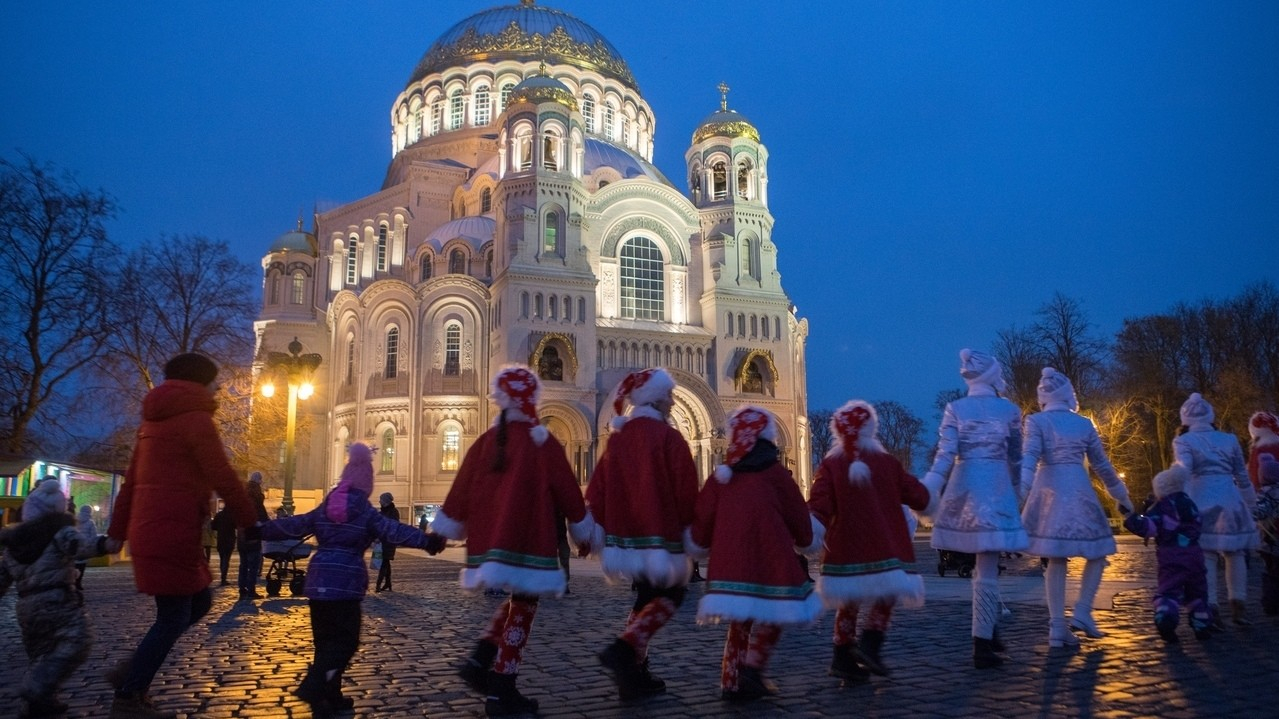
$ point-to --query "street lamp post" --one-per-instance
(297, 369)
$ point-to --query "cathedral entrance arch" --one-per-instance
(566, 424)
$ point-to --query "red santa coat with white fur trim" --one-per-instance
(868, 545)
(642, 496)
(752, 525)
(508, 518)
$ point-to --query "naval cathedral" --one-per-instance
(522, 221)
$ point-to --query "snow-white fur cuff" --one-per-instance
(448, 527)
(716, 607)
(935, 484)
(516, 580)
(583, 531)
(655, 566)
(814, 550)
(896, 584)
(692, 548)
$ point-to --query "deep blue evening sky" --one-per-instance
(937, 169)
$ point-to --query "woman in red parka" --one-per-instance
(177, 464)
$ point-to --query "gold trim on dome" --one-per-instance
(540, 94)
(740, 375)
(736, 128)
(513, 40)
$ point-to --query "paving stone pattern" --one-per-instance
(244, 660)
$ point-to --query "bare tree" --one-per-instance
(823, 439)
(900, 431)
(1022, 357)
(1067, 343)
(55, 268)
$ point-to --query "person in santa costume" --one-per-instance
(1063, 516)
(857, 496)
(511, 484)
(1263, 428)
(978, 468)
(1225, 497)
(642, 496)
(752, 518)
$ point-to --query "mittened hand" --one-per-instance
(435, 543)
(108, 545)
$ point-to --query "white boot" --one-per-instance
(1059, 635)
(1081, 619)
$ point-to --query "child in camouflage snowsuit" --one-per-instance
(39, 557)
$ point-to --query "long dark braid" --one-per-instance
(499, 462)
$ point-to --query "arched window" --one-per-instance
(537, 306)
(551, 152)
(424, 265)
(719, 181)
(588, 112)
(550, 237)
(351, 270)
(415, 130)
(450, 448)
(388, 450)
(754, 326)
(753, 382)
(748, 258)
(625, 136)
(457, 108)
(744, 179)
(392, 353)
(299, 286)
(523, 305)
(486, 200)
(488, 264)
(729, 323)
(483, 106)
(642, 280)
(695, 183)
(777, 327)
(581, 309)
(763, 326)
(741, 325)
(350, 362)
(457, 262)
(381, 248)
(437, 112)
(453, 349)
(550, 366)
(568, 309)
(275, 289)
(506, 94)
(524, 148)
(609, 119)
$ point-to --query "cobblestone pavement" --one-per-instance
(246, 658)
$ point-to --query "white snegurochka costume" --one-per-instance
(1063, 516)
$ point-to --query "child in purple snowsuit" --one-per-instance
(1267, 516)
(1173, 521)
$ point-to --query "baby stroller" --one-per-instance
(961, 562)
(284, 555)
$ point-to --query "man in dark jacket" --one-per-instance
(177, 464)
(391, 512)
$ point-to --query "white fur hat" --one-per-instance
(746, 426)
(1263, 427)
(45, 498)
(1196, 412)
(1171, 481)
(981, 369)
(855, 426)
(641, 388)
(1055, 389)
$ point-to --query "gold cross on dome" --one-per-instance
(723, 95)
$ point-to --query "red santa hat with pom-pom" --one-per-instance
(746, 426)
(516, 389)
(641, 388)
(855, 426)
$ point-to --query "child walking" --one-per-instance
(1173, 521)
(857, 496)
(1267, 516)
(512, 483)
(752, 519)
(39, 557)
(344, 525)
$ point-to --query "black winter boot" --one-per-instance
(474, 671)
(43, 706)
(333, 692)
(504, 699)
(867, 651)
(1269, 593)
(844, 665)
(984, 656)
(646, 682)
(620, 660)
(313, 691)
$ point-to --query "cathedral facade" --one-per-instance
(522, 221)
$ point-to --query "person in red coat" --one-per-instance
(753, 520)
(1263, 428)
(177, 464)
(858, 496)
(642, 495)
(512, 483)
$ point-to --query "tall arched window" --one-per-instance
(550, 236)
(588, 112)
(537, 306)
(719, 181)
(437, 112)
(748, 258)
(424, 267)
(486, 200)
(551, 152)
(457, 109)
(350, 362)
(351, 269)
(524, 148)
(741, 325)
(763, 326)
(415, 132)
(523, 305)
(388, 450)
(729, 324)
(457, 262)
(744, 179)
(299, 286)
(642, 280)
(381, 248)
(453, 349)
(568, 308)
(392, 353)
(450, 447)
(506, 94)
(275, 289)
(483, 106)
(609, 119)
(552, 307)
(754, 326)
(488, 264)
(581, 309)
(777, 327)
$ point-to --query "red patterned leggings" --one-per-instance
(881, 611)
(509, 630)
(748, 644)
